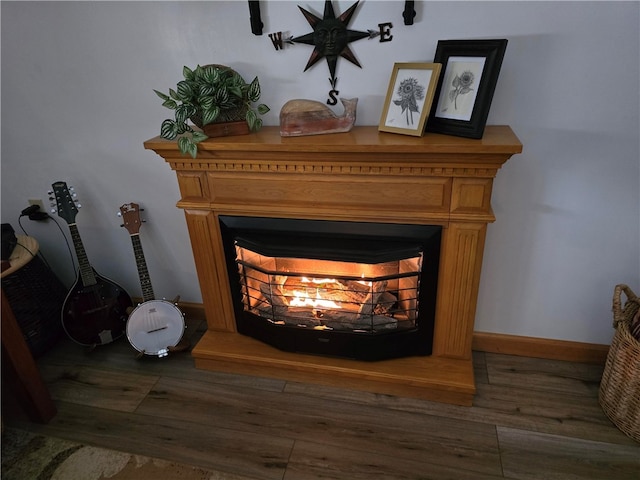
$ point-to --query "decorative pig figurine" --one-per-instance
(309, 117)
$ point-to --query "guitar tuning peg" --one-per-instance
(78, 205)
(119, 214)
(122, 224)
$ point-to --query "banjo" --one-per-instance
(154, 326)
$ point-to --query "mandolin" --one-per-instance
(154, 327)
(95, 309)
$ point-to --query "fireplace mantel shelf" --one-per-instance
(497, 139)
(362, 175)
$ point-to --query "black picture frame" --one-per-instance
(459, 109)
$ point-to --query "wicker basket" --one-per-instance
(619, 394)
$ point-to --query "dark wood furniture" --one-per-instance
(19, 367)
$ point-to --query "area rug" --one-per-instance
(29, 456)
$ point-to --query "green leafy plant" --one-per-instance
(209, 94)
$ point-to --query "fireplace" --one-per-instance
(426, 202)
(347, 289)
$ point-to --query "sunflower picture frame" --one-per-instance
(409, 97)
(470, 70)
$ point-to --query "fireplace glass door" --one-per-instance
(354, 297)
(347, 289)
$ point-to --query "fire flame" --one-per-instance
(364, 282)
(304, 299)
(318, 281)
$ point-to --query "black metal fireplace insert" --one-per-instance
(358, 290)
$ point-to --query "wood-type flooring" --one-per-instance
(531, 419)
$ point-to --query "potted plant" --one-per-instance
(210, 95)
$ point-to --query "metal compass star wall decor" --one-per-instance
(330, 39)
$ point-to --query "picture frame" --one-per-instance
(460, 109)
(409, 97)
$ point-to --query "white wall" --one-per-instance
(77, 103)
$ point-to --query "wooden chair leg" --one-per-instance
(29, 383)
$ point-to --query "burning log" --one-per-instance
(295, 316)
(358, 306)
(355, 322)
(332, 319)
(273, 295)
(369, 303)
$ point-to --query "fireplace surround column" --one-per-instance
(364, 176)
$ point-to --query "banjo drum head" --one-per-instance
(154, 326)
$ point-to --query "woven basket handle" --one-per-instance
(620, 313)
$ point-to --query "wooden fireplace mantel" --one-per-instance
(362, 175)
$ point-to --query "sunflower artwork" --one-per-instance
(465, 90)
(410, 92)
(409, 97)
(461, 85)
(460, 88)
